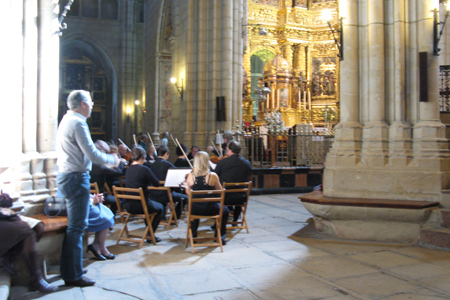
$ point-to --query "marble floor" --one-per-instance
(281, 258)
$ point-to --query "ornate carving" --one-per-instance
(265, 15)
(301, 17)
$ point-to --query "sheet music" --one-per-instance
(175, 177)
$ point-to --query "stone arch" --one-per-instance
(83, 48)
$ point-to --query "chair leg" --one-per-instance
(219, 234)
(187, 233)
(124, 230)
(191, 238)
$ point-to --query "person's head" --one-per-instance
(179, 152)
(122, 150)
(80, 101)
(227, 137)
(137, 154)
(151, 150)
(166, 134)
(163, 152)
(102, 146)
(194, 150)
(144, 138)
(234, 148)
(201, 163)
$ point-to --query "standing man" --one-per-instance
(165, 139)
(234, 168)
(143, 142)
(75, 153)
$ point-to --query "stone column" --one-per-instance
(44, 169)
(287, 52)
(346, 148)
(375, 148)
(400, 153)
(430, 144)
(14, 176)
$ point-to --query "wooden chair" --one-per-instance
(122, 181)
(217, 240)
(171, 217)
(94, 188)
(135, 195)
(107, 189)
(238, 187)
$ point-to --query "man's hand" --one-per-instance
(97, 198)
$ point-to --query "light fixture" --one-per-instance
(179, 89)
(437, 36)
(262, 30)
(128, 114)
(62, 25)
(141, 108)
(327, 16)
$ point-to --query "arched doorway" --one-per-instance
(84, 67)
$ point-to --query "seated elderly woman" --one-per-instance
(202, 179)
(17, 237)
(100, 219)
(142, 176)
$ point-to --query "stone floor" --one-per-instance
(281, 258)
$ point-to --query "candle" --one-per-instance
(304, 98)
(309, 99)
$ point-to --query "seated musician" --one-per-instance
(138, 176)
(151, 154)
(124, 153)
(202, 179)
(194, 150)
(99, 173)
(181, 161)
(234, 168)
(159, 168)
(227, 137)
(113, 179)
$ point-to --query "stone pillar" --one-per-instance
(400, 153)
(287, 52)
(346, 148)
(14, 177)
(374, 152)
(380, 76)
(208, 53)
(44, 168)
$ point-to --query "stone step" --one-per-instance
(445, 218)
(435, 237)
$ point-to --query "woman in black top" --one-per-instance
(138, 176)
(202, 179)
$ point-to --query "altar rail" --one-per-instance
(265, 150)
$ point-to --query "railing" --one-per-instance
(267, 150)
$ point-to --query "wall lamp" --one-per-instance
(262, 30)
(179, 89)
(62, 25)
(326, 15)
(141, 108)
(128, 118)
(437, 36)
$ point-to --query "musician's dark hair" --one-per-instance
(137, 153)
(235, 147)
(5, 200)
(162, 150)
(178, 150)
(198, 148)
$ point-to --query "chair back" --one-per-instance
(107, 189)
(94, 188)
(206, 196)
(238, 187)
(136, 194)
(172, 217)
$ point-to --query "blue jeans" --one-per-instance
(75, 187)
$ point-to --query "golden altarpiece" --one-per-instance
(296, 57)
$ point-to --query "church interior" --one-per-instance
(351, 94)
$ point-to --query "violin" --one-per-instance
(215, 159)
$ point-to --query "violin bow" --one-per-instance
(151, 141)
(184, 153)
(134, 138)
(124, 144)
(216, 149)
